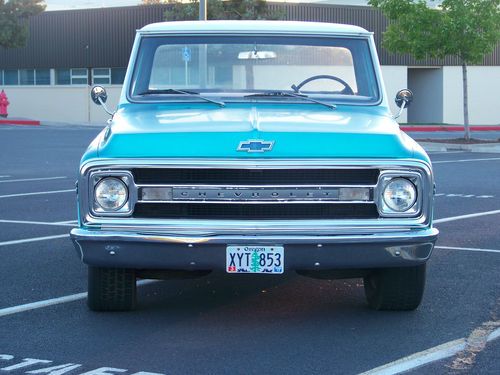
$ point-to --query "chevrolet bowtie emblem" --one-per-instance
(255, 145)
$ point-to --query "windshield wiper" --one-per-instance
(290, 95)
(182, 92)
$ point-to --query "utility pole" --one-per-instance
(203, 10)
(203, 47)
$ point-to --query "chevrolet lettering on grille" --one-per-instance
(255, 194)
(255, 145)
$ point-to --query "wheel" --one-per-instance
(111, 289)
(399, 288)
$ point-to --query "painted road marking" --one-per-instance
(445, 152)
(34, 179)
(37, 193)
(5, 176)
(58, 224)
(425, 357)
(468, 249)
(66, 222)
(55, 301)
(453, 195)
(462, 160)
(469, 216)
(40, 304)
(35, 239)
(22, 364)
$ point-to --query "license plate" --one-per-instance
(254, 259)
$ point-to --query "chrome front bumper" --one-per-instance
(359, 251)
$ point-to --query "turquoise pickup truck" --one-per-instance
(254, 147)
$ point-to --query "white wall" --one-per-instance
(484, 82)
(58, 103)
(395, 78)
(73, 104)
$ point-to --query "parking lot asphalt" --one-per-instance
(225, 324)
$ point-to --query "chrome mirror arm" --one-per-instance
(105, 107)
(401, 109)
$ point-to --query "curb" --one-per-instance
(74, 124)
(20, 122)
(448, 128)
(443, 147)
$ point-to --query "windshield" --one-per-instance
(340, 69)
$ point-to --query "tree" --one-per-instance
(218, 10)
(467, 29)
(14, 15)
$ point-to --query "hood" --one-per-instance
(297, 131)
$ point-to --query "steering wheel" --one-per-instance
(346, 91)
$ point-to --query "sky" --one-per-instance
(80, 4)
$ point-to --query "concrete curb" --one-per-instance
(7, 121)
(447, 128)
(443, 147)
(72, 124)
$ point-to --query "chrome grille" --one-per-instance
(253, 194)
(228, 176)
(243, 211)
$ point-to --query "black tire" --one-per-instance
(399, 288)
(111, 289)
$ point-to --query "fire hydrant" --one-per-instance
(4, 103)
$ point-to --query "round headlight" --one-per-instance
(400, 194)
(111, 193)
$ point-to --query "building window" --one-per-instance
(71, 77)
(118, 75)
(63, 77)
(11, 77)
(79, 77)
(26, 77)
(42, 77)
(101, 76)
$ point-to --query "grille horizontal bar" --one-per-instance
(255, 211)
(229, 177)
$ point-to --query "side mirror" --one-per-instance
(403, 100)
(99, 97)
(405, 97)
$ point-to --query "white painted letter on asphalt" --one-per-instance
(6, 357)
(26, 362)
(55, 370)
(104, 371)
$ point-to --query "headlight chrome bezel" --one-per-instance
(386, 177)
(124, 176)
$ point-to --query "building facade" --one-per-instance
(69, 51)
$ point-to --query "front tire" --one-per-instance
(111, 289)
(397, 289)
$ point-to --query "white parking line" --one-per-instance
(468, 249)
(37, 193)
(5, 176)
(35, 239)
(55, 301)
(40, 304)
(34, 179)
(64, 224)
(468, 216)
(425, 357)
(445, 152)
(462, 160)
